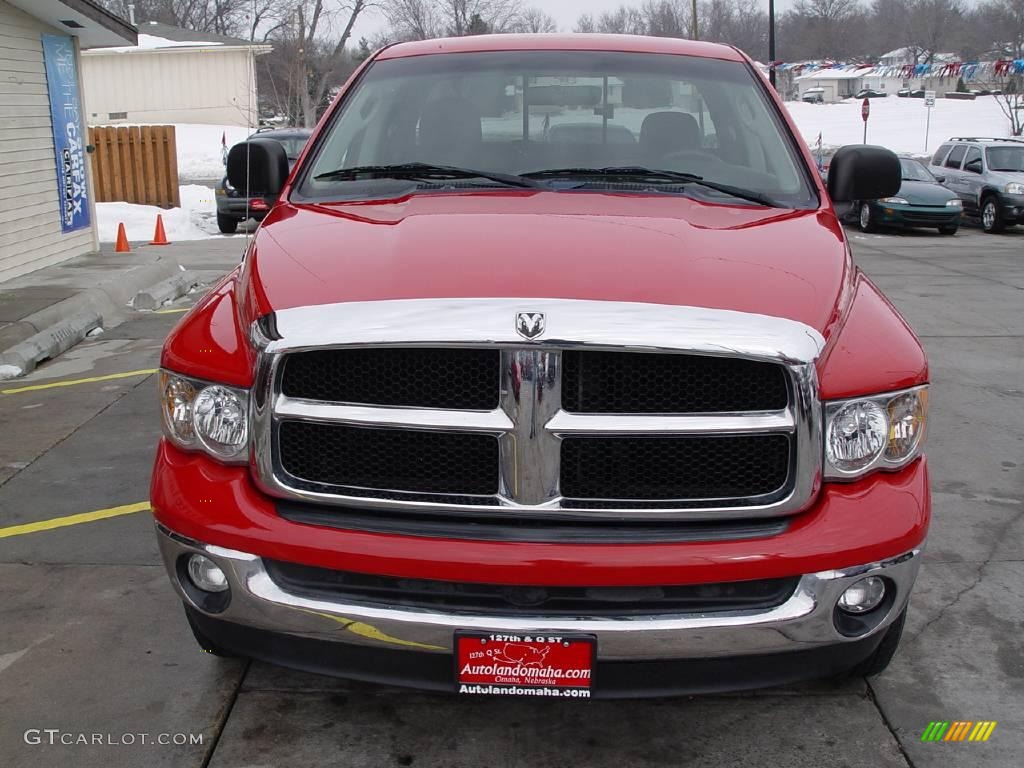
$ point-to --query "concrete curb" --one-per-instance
(59, 327)
(166, 290)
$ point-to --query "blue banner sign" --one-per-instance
(68, 136)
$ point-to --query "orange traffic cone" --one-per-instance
(122, 240)
(159, 236)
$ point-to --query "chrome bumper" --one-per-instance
(803, 622)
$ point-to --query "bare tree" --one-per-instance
(535, 21)
(935, 22)
(413, 19)
(585, 24)
(424, 19)
(317, 34)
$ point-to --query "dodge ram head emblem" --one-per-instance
(530, 325)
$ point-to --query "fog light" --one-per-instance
(206, 575)
(863, 596)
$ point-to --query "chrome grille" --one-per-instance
(743, 442)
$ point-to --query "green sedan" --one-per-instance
(921, 202)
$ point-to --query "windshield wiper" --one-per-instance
(428, 171)
(675, 177)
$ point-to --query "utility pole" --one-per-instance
(693, 21)
(771, 42)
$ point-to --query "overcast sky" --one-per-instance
(565, 12)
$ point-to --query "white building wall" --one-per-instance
(197, 85)
(30, 231)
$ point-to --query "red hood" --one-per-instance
(657, 249)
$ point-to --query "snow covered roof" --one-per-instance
(156, 36)
(835, 74)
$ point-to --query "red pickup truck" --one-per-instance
(549, 373)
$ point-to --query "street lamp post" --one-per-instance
(771, 42)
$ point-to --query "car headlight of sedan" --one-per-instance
(894, 201)
(879, 432)
(199, 415)
(1015, 188)
(956, 202)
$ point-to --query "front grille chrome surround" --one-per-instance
(529, 422)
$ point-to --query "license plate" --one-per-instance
(524, 665)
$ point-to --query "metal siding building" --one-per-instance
(31, 236)
(173, 76)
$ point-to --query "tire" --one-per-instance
(227, 224)
(991, 217)
(205, 643)
(949, 230)
(865, 220)
(877, 662)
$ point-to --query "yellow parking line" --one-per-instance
(170, 311)
(84, 517)
(73, 382)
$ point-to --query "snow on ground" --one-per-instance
(898, 124)
(200, 155)
(194, 220)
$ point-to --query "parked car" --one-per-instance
(988, 176)
(869, 93)
(916, 93)
(488, 414)
(920, 202)
(234, 207)
(814, 96)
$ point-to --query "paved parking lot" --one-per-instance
(94, 641)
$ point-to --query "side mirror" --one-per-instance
(974, 166)
(258, 168)
(939, 178)
(863, 172)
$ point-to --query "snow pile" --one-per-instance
(200, 154)
(196, 219)
(10, 372)
(898, 123)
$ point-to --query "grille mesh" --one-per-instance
(628, 382)
(674, 467)
(406, 460)
(423, 378)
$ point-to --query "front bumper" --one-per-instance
(802, 622)
(1012, 208)
(876, 525)
(917, 215)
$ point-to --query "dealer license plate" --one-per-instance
(524, 665)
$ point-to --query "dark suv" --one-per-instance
(232, 205)
(988, 175)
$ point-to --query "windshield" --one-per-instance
(1005, 158)
(292, 144)
(914, 171)
(526, 112)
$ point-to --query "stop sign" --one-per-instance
(865, 110)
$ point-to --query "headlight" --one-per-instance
(955, 203)
(209, 417)
(1015, 188)
(894, 201)
(881, 432)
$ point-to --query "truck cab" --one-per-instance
(549, 372)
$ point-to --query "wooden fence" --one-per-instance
(135, 164)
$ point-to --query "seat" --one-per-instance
(663, 133)
(450, 133)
